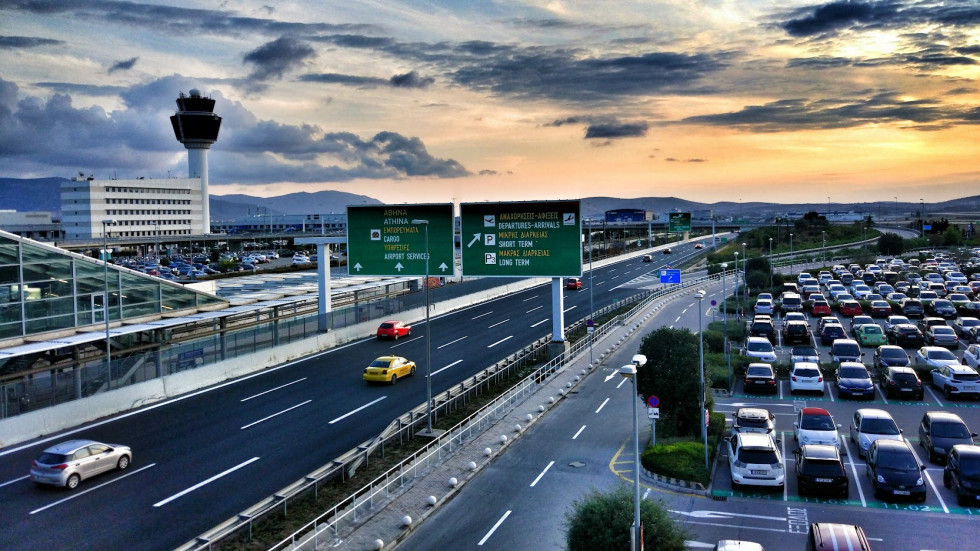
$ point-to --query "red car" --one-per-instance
(821, 308)
(880, 308)
(851, 308)
(573, 284)
(392, 329)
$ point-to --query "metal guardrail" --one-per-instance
(403, 427)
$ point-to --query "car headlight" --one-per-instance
(919, 482)
(881, 479)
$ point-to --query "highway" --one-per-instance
(204, 457)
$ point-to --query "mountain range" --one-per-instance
(43, 194)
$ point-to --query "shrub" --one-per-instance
(602, 521)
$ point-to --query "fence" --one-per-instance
(402, 428)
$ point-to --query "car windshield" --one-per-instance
(818, 422)
(804, 351)
(941, 354)
(759, 346)
(757, 457)
(899, 460)
(380, 363)
(871, 330)
(759, 371)
(846, 349)
(387, 325)
(761, 326)
(907, 330)
(893, 353)
(879, 426)
(822, 467)
(806, 372)
(905, 378)
(950, 430)
(854, 373)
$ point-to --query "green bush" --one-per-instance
(684, 459)
(602, 521)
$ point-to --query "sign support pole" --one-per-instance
(324, 305)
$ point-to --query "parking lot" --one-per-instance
(907, 414)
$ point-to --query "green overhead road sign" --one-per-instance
(383, 241)
(526, 239)
(679, 222)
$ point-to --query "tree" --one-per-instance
(671, 374)
(601, 522)
(952, 237)
(891, 244)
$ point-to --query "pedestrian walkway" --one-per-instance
(395, 519)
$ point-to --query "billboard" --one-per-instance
(679, 222)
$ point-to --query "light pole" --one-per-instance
(724, 319)
(897, 212)
(737, 302)
(704, 426)
(770, 262)
(745, 282)
(922, 218)
(824, 234)
(590, 328)
(105, 298)
(428, 332)
(629, 372)
(790, 254)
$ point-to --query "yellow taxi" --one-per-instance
(387, 369)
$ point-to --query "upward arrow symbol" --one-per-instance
(399, 267)
(443, 267)
(358, 266)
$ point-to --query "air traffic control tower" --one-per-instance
(196, 126)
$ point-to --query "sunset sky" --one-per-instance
(434, 101)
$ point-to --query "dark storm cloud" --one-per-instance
(24, 42)
(798, 114)
(968, 50)
(123, 65)
(411, 80)
(52, 135)
(827, 20)
(408, 80)
(273, 59)
(616, 130)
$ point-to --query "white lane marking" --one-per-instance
(25, 477)
(936, 398)
(578, 432)
(450, 342)
(348, 414)
(92, 489)
(623, 382)
(783, 454)
(205, 483)
(541, 474)
(491, 311)
(500, 341)
(598, 283)
(498, 323)
(273, 389)
(850, 461)
(533, 309)
(539, 323)
(724, 515)
(677, 320)
(447, 367)
(569, 309)
(494, 529)
(928, 478)
(276, 414)
(529, 298)
(603, 404)
(830, 391)
(883, 397)
(684, 311)
(406, 341)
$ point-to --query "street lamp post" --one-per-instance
(791, 254)
(824, 234)
(737, 302)
(724, 319)
(590, 329)
(770, 262)
(629, 372)
(745, 281)
(922, 217)
(704, 426)
(428, 333)
(105, 298)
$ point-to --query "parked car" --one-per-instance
(827, 536)
(760, 348)
(805, 377)
(751, 419)
(763, 306)
(858, 321)
(879, 308)
(816, 426)
(962, 473)
(820, 308)
(939, 431)
(754, 459)
(955, 379)
(971, 356)
(796, 332)
(869, 425)
(894, 320)
(854, 380)
(902, 382)
(393, 329)
(831, 332)
(894, 470)
(912, 307)
(804, 354)
(962, 326)
(763, 328)
(943, 308)
(388, 369)
(935, 356)
(870, 335)
(760, 377)
(906, 335)
(820, 470)
(845, 350)
(890, 355)
(68, 463)
(850, 308)
(941, 335)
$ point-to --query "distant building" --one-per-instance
(283, 223)
(32, 225)
(139, 208)
(628, 215)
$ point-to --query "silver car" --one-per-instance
(68, 463)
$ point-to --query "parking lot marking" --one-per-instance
(830, 391)
(850, 461)
(938, 401)
(782, 444)
(928, 478)
(883, 397)
(25, 477)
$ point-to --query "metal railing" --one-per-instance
(402, 428)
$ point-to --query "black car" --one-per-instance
(939, 431)
(906, 335)
(943, 308)
(902, 382)
(894, 470)
(765, 329)
(927, 322)
(760, 377)
(962, 473)
(819, 470)
(888, 355)
(912, 307)
(796, 332)
(831, 332)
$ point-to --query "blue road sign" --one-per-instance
(653, 401)
(670, 276)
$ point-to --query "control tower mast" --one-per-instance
(196, 126)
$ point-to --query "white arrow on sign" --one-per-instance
(399, 267)
(358, 266)
(443, 267)
(724, 515)
(476, 237)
